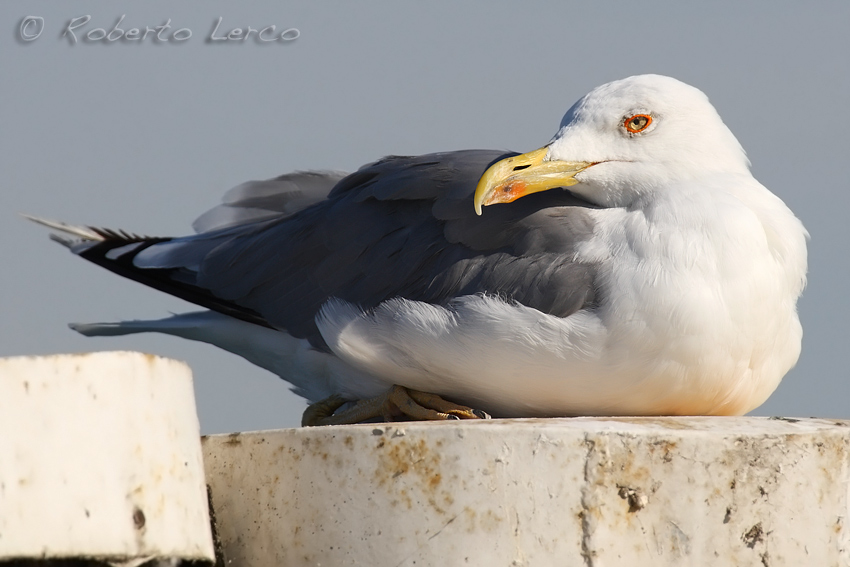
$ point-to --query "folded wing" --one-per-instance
(275, 251)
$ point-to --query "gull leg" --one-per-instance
(396, 402)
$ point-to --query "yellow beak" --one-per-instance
(514, 177)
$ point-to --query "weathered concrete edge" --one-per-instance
(589, 431)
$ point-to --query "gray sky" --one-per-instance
(146, 136)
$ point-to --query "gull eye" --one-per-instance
(637, 123)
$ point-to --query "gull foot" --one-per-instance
(321, 410)
(398, 401)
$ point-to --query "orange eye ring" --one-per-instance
(637, 123)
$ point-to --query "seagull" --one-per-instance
(631, 266)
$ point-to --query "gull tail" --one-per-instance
(117, 329)
(294, 360)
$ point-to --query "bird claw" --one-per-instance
(396, 402)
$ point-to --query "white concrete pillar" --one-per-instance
(584, 492)
(100, 458)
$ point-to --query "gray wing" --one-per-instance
(267, 199)
(400, 227)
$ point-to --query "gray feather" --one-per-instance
(261, 200)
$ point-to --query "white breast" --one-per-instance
(700, 289)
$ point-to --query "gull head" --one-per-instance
(622, 140)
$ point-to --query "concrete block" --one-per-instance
(583, 491)
(100, 458)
